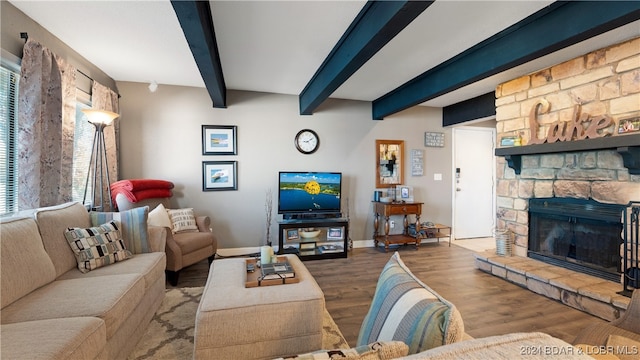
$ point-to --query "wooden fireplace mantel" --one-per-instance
(626, 145)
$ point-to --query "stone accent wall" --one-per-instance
(603, 82)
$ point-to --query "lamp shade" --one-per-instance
(100, 116)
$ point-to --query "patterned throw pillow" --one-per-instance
(133, 227)
(380, 350)
(182, 220)
(407, 310)
(97, 246)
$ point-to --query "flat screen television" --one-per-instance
(309, 193)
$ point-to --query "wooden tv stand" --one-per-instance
(395, 208)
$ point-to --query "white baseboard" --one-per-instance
(363, 243)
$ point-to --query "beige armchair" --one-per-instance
(182, 249)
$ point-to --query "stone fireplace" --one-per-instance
(604, 83)
(571, 152)
(577, 234)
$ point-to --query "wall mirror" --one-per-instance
(389, 164)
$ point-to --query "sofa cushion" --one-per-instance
(151, 266)
(52, 223)
(111, 298)
(97, 246)
(76, 338)
(182, 220)
(405, 309)
(527, 346)
(133, 226)
(24, 264)
(190, 242)
(381, 350)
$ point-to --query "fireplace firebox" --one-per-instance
(581, 235)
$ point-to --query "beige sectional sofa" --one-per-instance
(51, 310)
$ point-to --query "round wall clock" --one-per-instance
(307, 141)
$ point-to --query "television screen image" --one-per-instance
(309, 192)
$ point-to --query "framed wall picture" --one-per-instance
(219, 175)
(434, 139)
(219, 140)
(292, 234)
(335, 233)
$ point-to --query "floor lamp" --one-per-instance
(98, 165)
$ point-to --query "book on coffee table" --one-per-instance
(254, 279)
(279, 270)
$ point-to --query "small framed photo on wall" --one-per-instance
(219, 140)
(219, 175)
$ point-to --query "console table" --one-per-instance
(395, 208)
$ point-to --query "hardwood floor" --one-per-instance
(489, 305)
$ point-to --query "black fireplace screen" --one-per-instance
(631, 260)
(582, 235)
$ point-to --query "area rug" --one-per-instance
(170, 333)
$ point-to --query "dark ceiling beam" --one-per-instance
(197, 24)
(476, 108)
(557, 26)
(377, 23)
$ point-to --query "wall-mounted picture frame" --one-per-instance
(219, 175)
(292, 234)
(335, 233)
(219, 140)
(434, 139)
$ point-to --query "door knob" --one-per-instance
(458, 189)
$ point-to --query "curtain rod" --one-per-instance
(25, 36)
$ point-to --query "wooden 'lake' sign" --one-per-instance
(581, 126)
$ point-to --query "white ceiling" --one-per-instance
(277, 46)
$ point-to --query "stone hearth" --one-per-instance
(587, 293)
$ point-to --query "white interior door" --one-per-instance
(474, 179)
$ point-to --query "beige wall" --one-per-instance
(161, 138)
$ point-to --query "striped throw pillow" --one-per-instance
(133, 225)
(405, 309)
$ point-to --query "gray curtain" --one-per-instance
(103, 98)
(46, 118)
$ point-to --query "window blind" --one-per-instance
(8, 125)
